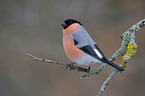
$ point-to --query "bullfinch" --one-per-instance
(80, 47)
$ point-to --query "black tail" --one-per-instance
(114, 65)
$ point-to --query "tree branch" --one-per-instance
(128, 49)
(68, 66)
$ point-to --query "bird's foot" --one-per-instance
(70, 66)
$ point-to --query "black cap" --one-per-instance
(69, 22)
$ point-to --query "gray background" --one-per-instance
(33, 26)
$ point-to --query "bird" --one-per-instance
(80, 48)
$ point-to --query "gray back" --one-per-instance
(83, 38)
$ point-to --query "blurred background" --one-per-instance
(33, 26)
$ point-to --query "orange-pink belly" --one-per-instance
(73, 53)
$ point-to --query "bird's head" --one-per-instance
(69, 22)
(70, 26)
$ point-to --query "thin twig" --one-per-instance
(105, 84)
(44, 60)
(68, 66)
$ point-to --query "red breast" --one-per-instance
(71, 50)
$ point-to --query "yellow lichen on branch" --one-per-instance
(131, 49)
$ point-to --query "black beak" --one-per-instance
(64, 25)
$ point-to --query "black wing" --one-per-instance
(89, 50)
